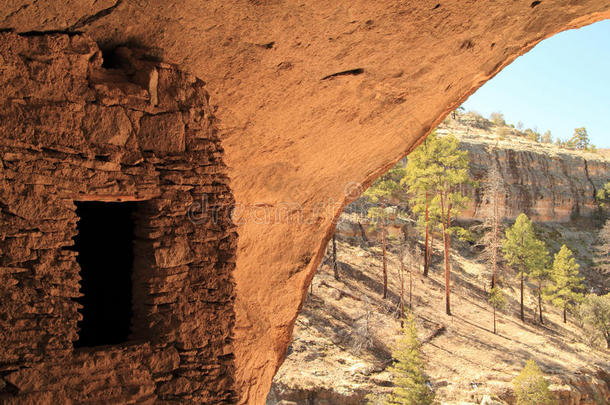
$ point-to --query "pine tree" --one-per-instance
(603, 196)
(438, 173)
(539, 273)
(565, 291)
(497, 301)
(382, 190)
(453, 175)
(435, 175)
(420, 184)
(410, 386)
(523, 250)
(580, 139)
(530, 386)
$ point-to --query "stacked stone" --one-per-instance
(71, 130)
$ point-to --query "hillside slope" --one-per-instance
(344, 333)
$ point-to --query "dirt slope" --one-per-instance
(343, 336)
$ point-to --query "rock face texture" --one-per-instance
(548, 184)
(313, 99)
(70, 131)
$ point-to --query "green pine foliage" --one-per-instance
(603, 195)
(530, 386)
(410, 386)
(580, 139)
(387, 187)
(565, 290)
(435, 175)
(526, 253)
(540, 273)
(497, 300)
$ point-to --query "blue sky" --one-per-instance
(561, 84)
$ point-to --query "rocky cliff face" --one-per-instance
(547, 183)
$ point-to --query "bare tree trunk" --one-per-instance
(565, 317)
(494, 320)
(362, 232)
(383, 242)
(522, 314)
(410, 289)
(402, 291)
(430, 251)
(427, 249)
(447, 274)
(335, 270)
(540, 302)
(495, 245)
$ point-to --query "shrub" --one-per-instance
(595, 315)
(530, 386)
(497, 118)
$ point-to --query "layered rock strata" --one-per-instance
(546, 183)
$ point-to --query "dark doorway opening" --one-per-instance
(105, 253)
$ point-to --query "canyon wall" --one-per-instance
(546, 183)
(315, 100)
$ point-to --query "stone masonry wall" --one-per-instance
(140, 130)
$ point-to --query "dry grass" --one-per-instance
(467, 360)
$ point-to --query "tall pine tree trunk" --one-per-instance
(383, 241)
(445, 220)
(540, 302)
(336, 271)
(522, 314)
(494, 320)
(522, 277)
(427, 249)
(565, 317)
(430, 251)
(447, 274)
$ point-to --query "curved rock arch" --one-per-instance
(312, 98)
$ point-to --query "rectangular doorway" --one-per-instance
(105, 254)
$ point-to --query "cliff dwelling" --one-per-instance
(112, 288)
(196, 123)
